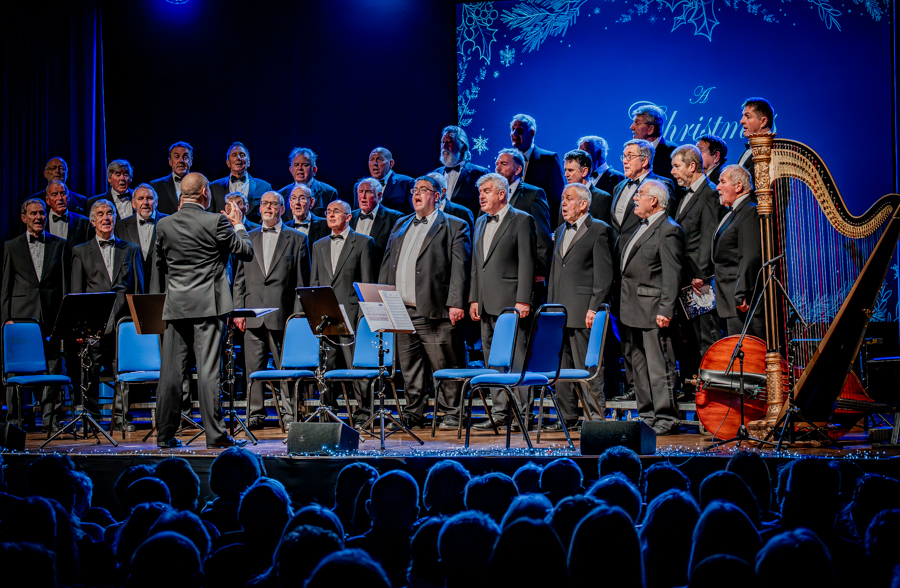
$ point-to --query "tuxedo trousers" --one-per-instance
(258, 344)
(523, 394)
(436, 345)
(203, 336)
(655, 377)
(574, 353)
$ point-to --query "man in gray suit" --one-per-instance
(502, 276)
(193, 248)
(581, 277)
(140, 229)
(650, 262)
(280, 266)
(427, 258)
(338, 260)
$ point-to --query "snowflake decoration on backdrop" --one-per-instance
(507, 56)
(480, 144)
(540, 19)
(496, 74)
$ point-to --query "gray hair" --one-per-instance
(440, 179)
(237, 144)
(372, 182)
(100, 204)
(33, 201)
(119, 165)
(597, 143)
(306, 190)
(147, 187)
(738, 175)
(51, 182)
(499, 182)
(690, 154)
(235, 195)
(583, 192)
(184, 144)
(658, 189)
(516, 155)
(461, 139)
(645, 148)
(653, 115)
(276, 194)
(343, 204)
(527, 120)
(305, 152)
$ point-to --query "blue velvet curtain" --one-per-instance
(52, 101)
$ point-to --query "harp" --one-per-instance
(834, 269)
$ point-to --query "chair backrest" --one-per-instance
(503, 343)
(301, 348)
(597, 339)
(544, 348)
(365, 354)
(23, 349)
(135, 353)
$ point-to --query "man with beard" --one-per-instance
(168, 187)
(237, 159)
(460, 174)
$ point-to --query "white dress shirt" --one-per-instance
(626, 198)
(490, 228)
(36, 248)
(145, 232)
(337, 245)
(60, 227)
(269, 240)
(569, 234)
(637, 234)
(364, 226)
(107, 252)
(409, 254)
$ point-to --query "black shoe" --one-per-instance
(556, 427)
(529, 424)
(226, 442)
(665, 431)
(170, 444)
(256, 423)
(409, 422)
(686, 394)
(627, 397)
(485, 425)
(449, 423)
(129, 427)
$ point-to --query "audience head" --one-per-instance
(185, 523)
(136, 529)
(233, 471)
(300, 551)
(33, 520)
(361, 520)
(882, 542)
(521, 537)
(794, 558)
(445, 487)
(183, 483)
(424, 557)
(165, 556)
(724, 520)
(394, 500)
(872, 495)
(666, 537)
(465, 544)
(84, 492)
(530, 506)
(752, 469)
(148, 489)
(561, 478)
(724, 485)
(491, 494)
(663, 476)
(528, 478)
(265, 509)
(617, 490)
(315, 515)
(349, 567)
(28, 564)
(567, 513)
(125, 479)
(623, 460)
(50, 476)
(609, 531)
(349, 480)
(710, 572)
(812, 496)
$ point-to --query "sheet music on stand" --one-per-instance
(383, 308)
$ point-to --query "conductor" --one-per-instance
(193, 246)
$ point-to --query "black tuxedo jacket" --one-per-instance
(76, 201)
(533, 200)
(504, 275)
(166, 196)
(460, 212)
(356, 263)
(219, 189)
(749, 165)
(23, 293)
(89, 274)
(128, 230)
(105, 196)
(715, 172)
(601, 204)
(289, 270)
(608, 180)
(631, 220)
(318, 228)
(662, 159)
(193, 249)
(323, 193)
(651, 275)
(737, 257)
(442, 264)
(396, 194)
(382, 225)
(699, 219)
(581, 278)
(80, 231)
(544, 170)
(465, 191)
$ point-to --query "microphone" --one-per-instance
(773, 260)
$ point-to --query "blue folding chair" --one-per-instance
(577, 377)
(546, 335)
(137, 362)
(366, 366)
(24, 363)
(299, 359)
(503, 346)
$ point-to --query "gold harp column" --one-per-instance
(761, 144)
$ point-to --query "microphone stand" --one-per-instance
(323, 411)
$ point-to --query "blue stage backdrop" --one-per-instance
(581, 66)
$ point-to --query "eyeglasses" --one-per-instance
(269, 204)
(415, 191)
(55, 168)
(629, 156)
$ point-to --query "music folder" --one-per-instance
(325, 315)
(383, 308)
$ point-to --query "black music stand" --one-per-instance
(146, 313)
(83, 318)
(327, 318)
(235, 419)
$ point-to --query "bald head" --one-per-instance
(380, 162)
(195, 188)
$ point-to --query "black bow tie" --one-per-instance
(689, 191)
(336, 237)
(370, 216)
(64, 218)
(645, 221)
(38, 238)
(571, 226)
(423, 220)
(456, 167)
(492, 217)
(177, 179)
(633, 182)
(107, 243)
(746, 145)
(240, 180)
(147, 221)
(270, 229)
(123, 197)
(298, 224)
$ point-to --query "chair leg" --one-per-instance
(437, 390)
(276, 395)
(540, 423)
(347, 404)
(487, 411)
(559, 416)
(461, 405)
(21, 402)
(518, 414)
(468, 399)
(588, 414)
